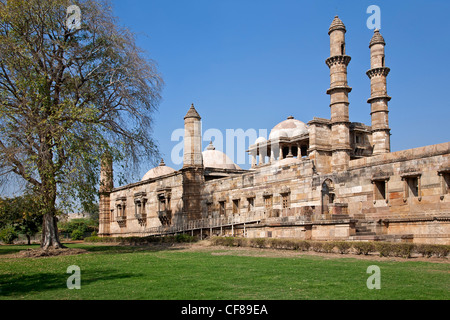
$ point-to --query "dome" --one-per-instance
(159, 171)
(260, 140)
(288, 128)
(337, 24)
(213, 158)
(377, 38)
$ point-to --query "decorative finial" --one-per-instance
(210, 146)
(192, 113)
(377, 38)
(162, 164)
(337, 24)
(290, 117)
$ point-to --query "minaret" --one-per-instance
(193, 177)
(338, 91)
(106, 187)
(381, 137)
(192, 139)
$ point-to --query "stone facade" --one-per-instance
(327, 179)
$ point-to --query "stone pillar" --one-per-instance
(378, 98)
(193, 171)
(254, 163)
(192, 139)
(338, 91)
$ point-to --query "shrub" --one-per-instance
(304, 245)
(403, 249)
(328, 246)
(258, 242)
(241, 242)
(363, 247)
(316, 246)
(183, 238)
(385, 249)
(8, 235)
(441, 251)
(343, 246)
(426, 250)
(77, 234)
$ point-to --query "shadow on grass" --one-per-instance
(9, 249)
(97, 248)
(15, 285)
(114, 249)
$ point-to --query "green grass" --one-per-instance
(121, 273)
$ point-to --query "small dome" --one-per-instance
(288, 128)
(260, 140)
(377, 38)
(213, 158)
(159, 171)
(337, 24)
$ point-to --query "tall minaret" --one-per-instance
(381, 137)
(338, 91)
(193, 177)
(192, 139)
(106, 187)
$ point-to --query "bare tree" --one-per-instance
(68, 94)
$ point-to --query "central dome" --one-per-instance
(288, 128)
(159, 171)
(213, 158)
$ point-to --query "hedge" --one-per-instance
(179, 238)
(384, 249)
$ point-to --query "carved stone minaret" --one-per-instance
(106, 187)
(379, 99)
(192, 139)
(338, 91)
(193, 177)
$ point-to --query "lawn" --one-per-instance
(124, 273)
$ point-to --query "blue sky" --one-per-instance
(252, 63)
(249, 64)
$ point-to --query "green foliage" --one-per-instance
(328, 246)
(343, 246)
(77, 234)
(403, 250)
(23, 213)
(8, 235)
(316, 246)
(68, 97)
(183, 238)
(363, 247)
(304, 245)
(180, 238)
(385, 249)
(84, 225)
(258, 242)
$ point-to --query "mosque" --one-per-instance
(326, 179)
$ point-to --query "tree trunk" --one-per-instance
(28, 239)
(50, 237)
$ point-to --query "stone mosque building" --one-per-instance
(322, 180)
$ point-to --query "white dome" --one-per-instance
(213, 158)
(260, 140)
(159, 171)
(288, 128)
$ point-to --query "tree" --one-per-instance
(69, 95)
(21, 214)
